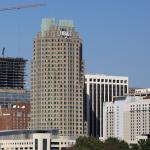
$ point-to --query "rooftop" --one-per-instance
(104, 75)
(27, 131)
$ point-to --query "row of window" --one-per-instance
(56, 40)
(106, 80)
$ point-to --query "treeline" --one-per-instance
(91, 143)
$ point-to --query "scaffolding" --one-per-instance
(12, 73)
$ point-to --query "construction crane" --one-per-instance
(18, 7)
(3, 51)
(23, 6)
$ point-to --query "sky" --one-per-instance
(115, 33)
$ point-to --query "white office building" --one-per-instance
(99, 89)
(34, 140)
(127, 118)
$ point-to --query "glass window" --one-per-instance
(36, 144)
(44, 144)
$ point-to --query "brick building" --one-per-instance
(15, 117)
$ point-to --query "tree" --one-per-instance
(144, 144)
(111, 144)
(88, 143)
(134, 147)
(123, 145)
(115, 144)
(91, 143)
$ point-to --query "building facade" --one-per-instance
(9, 97)
(34, 140)
(57, 79)
(15, 117)
(14, 99)
(14, 109)
(139, 92)
(12, 72)
(127, 119)
(99, 89)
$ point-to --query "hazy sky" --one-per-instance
(115, 33)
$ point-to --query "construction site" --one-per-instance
(14, 98)
(12, 73)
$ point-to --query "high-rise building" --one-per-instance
(12, 72)
(57, 79)
(127, 118)
(99, 89)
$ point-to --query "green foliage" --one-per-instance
(111, 144)
(115, 144)
(88, 143)
(123, 145)
(134, 147)
(91, 143)
(144, 144)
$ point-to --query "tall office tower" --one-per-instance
(12, 72)
(127, 118)
(57, 79)
(99, 89)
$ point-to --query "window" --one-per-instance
(44, 144)
(36, 144)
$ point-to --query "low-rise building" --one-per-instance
(34, 140)
(15, 117)
(139, 92)
(127, 118)
(14, 109)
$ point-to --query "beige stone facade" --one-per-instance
(127, 119)
(57, 79)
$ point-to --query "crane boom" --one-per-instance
(17, 7)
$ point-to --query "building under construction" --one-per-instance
(12, 73)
